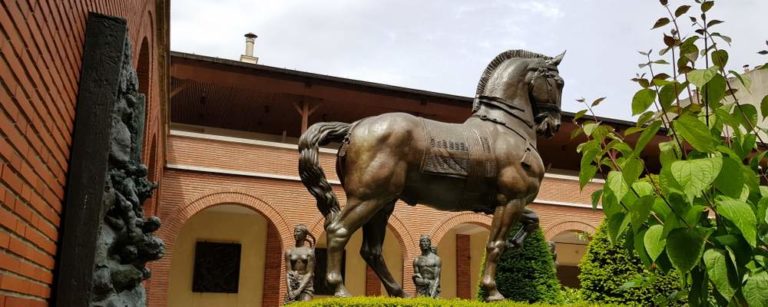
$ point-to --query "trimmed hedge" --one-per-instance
(606, 268)
(527, 274)
(412, 302)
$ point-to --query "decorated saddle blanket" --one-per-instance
(455, 150)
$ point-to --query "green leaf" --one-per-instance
(685, 247)
(631, 169)
(660, 23)
(589, 128)
(720, 57)
(643, 188)
(579, 114)
(640, 211)
(699, 77)
(644, 118)
(597, 101)
(764, 106)
(646, 137)
(745, 81)
(615, 183)
(740, 214)
(717, 269)
(762, 209)
(669, 93)
(696, 175)
(715, 90)
(746, 114)
(756, 290)
(639, 246)
(586, 174)
(730, 180)
(714, 22)
(596, 198)
(669, 152)
(654, 242)
(617, 224)
(642, 100)
(682, 10)
(576, 132)
(695, 133)
(707, 5)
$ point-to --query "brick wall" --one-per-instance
(40, 55)
(272, 269)
(372, 283)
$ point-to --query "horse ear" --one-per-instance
(556, 60)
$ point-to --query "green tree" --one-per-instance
(527, 274)
(704, 212)
(612, 274)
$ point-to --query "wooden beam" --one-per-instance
(304, 110)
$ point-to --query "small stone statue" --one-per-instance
(300, 262)
(426, 269)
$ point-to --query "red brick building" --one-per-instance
(41, 43)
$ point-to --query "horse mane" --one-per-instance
(506, 55)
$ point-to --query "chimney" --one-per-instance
(248, 57)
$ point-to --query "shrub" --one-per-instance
(527, 274)
(613, 274)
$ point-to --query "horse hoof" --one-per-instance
(342, 293)
(400, 293)
(494, 296)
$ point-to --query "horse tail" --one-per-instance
(312, 175)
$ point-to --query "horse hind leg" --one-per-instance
(373, 239)
(338, 231)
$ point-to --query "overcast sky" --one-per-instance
(443, 46)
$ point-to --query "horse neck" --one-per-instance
(518, 122)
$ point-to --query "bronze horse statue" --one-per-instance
(487, 164)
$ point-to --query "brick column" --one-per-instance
(463, 271)
(372, 283)
(273, 269)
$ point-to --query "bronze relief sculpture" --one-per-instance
(487, 164)
(426, 269)
(300, 262)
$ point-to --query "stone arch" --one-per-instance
(444, 226)
(561, 226)
(173, 225)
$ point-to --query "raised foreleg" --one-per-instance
(530, 222)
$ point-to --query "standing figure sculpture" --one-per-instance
(426, 269)
(487, 164)
(300, 262)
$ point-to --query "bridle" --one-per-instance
(539, 109)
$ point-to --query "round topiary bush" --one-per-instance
(606, 268)
(527, 274)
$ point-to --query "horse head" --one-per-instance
(525, 81)
(546, 90)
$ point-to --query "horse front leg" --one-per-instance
(503, 218)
